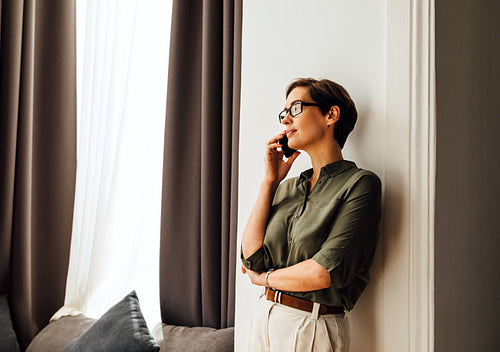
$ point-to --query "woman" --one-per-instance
(310, 240)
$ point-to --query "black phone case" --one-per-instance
(285, 148)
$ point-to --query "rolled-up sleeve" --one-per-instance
(348, 251)
(255, 262)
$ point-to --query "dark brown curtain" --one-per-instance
(199, 203)
(37, 157)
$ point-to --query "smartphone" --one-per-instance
(285, 148)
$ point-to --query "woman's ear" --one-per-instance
(333, 115)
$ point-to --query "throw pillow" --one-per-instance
(194, 339)
(8, 340)
(122, 329)
(55, 336)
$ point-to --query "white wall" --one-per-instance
(340, 40)
(381, 51)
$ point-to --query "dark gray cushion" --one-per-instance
(55, 336)
(8, 340)
(122, 328)
(181, 338)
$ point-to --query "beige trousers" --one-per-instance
(279, 328)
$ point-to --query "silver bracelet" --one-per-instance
(267, 277)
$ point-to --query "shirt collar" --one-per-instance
(329, 170)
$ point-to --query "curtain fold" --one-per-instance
(199, 196)
(37, 157)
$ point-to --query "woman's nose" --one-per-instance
(287, 119)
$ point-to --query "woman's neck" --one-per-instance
(321, 158)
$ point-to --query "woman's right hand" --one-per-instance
(275, 170)
(275, 167)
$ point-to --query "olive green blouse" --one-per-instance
(336, 224)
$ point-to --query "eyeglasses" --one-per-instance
(295, 109)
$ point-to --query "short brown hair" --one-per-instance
(327, 94)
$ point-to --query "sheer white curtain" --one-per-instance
(123, 61)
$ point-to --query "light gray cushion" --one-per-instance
(122, 329)
(55, 336)
(8, 340)
(182, 338)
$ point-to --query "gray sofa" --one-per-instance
(59, 333)
(122, 328)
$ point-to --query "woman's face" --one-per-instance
(308, 128)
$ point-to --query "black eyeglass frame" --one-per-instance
(283, 114)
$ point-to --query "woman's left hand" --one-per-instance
(255, 277)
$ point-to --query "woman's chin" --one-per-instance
(293, 144)
(296, 146)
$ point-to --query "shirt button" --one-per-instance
(296, 216)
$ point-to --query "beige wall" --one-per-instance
(467, 232)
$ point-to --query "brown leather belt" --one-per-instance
(299, 303)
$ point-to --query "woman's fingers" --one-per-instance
(273, 146)
(276, 138)
(276, 168)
